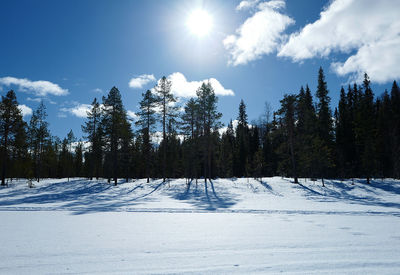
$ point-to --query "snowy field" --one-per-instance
(233, 226)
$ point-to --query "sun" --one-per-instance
(199, 23)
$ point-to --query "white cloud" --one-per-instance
(25, 110)
(235, 123)
(141, 80)
(243, 5)
(79, 110)
(132, 115)
(39, 88)
(156, 137)
(38, 99)
(369, 28)
(260, 34)
(183, 88)
(98, 90)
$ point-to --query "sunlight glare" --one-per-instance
(199, 23)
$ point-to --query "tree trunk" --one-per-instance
(293, 161)
(4, 157)
(165, 141)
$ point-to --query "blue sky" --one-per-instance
(68, 52)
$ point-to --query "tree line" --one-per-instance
(303, 138)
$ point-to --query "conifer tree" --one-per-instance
(114, 121)
(395, 132)
(367, 130)
(227, 150)
(39, 136)
(288, 117)
(10, 125)
(324, 141)
(306, 130)
(70, 158)
(165, 102)
(147, 122)
(189, 127)
(78, 160)
(93, 130)
(242, 141)
(209, 117)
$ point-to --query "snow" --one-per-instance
(234, 226)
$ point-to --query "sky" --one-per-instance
(66, 53)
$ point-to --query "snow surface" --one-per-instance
(233, 226)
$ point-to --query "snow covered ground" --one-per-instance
(233, 226)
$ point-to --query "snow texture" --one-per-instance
(234, 226)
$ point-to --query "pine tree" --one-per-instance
(165, 102)
(39, 136)
(78, 160)
(70, 158)
(209, 117)
(269, 156)
(227, 149)
(114, 121)
(147, 123)
(10, 125)
(21, 165)
(63, 169)
(93, 131)
(189, 127)
(126, 150)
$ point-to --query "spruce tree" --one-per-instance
(242, 141)
(306, 131)
(368, 130)
(288, 117)
(324, 142)
(395, 126)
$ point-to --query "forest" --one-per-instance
(305, 138)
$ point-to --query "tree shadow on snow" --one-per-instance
(268, 188)
(78, 196)
(359, 193)
(208, 197)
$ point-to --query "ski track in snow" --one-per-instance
(229, 226)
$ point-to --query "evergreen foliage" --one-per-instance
(361, 138)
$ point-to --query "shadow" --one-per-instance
(335, 190)
(269, 188)
(184, 196)
(202, 199)
(152, 191)
(78, 196)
